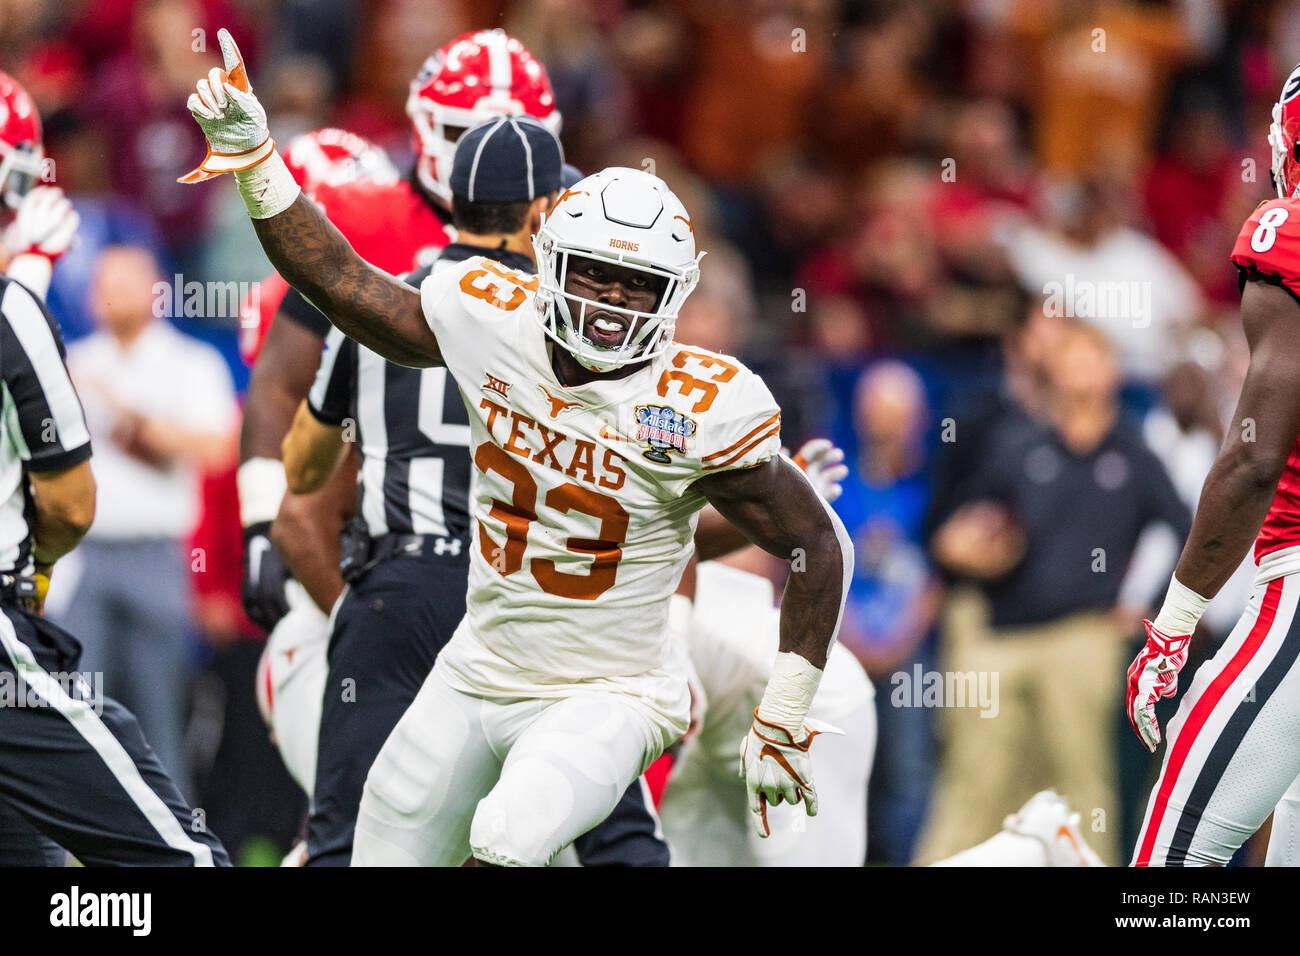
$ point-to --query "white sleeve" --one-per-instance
(743, 430)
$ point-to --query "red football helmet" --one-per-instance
(1283, 136)
(330, 156)
(20, 142)
(473, 78)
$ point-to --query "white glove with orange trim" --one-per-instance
(230, 116)
(774, 757)
(823, 462)
(777, 767)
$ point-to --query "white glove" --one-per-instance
(230, 116)
(45, 225)
(823, 462)
(777, 767)
(1153, 675)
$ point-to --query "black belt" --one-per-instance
(18, 590)
(389, 546)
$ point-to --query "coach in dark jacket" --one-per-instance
(1048, 526)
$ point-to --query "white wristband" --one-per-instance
(790, 692)
(1183, 607)
(33, 271)
(268, 188)
(261, 485)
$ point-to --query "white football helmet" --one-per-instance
(626, 217)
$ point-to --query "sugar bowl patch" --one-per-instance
(664, 430)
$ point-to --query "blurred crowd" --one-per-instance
(981, 244)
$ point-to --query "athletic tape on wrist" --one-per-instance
(262, 485)
(268, 188)
(1183, 607)
(790, 691)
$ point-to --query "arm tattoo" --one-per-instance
(366, 304)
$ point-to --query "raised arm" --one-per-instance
(368, 305)
(364, 303)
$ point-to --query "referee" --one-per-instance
(408, 577)
(74, 768)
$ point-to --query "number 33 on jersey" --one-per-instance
(582, 495)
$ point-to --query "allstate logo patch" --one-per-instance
(663, 429)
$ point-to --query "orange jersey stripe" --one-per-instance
(775, 419)
(744, 451)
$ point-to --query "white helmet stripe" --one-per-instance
(478, 154)
(499, 69)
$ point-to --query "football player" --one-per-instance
(397, 225)
(38, 221)
(1232, 753)
(291, 673)
(596, 441)
(73, 769)
(407, 571)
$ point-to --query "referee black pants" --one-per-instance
(388, 630)
(74, 768)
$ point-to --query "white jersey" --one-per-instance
(582, 496)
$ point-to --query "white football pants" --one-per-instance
(511, 782)
(1233, 750)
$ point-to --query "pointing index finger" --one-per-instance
(234, 61)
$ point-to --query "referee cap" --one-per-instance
(571, 176)
(507, 159)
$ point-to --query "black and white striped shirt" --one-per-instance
(411, 426)
(43, 426)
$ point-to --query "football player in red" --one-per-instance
(37, 221)
(327, 157)
(396, 226)
(1234, 745)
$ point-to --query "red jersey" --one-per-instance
(1269, 246)
(256, 313)
(390, 225)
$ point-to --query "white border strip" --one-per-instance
(86, 722)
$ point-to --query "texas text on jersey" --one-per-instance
(1268, 248)
(582, 495)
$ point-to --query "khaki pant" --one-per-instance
(1059, 687)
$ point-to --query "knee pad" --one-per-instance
(524, 826)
